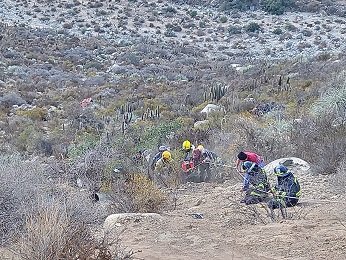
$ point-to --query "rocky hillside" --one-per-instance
(90, 89)
(210, 32)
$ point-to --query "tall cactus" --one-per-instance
(127, 117)
(127, 108)
(215, 93)
(152, 114)
(205, 96)
(123, 126)
(157, 112)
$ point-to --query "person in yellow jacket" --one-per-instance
(164, 168)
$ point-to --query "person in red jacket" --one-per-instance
(251, 157)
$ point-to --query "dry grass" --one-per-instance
(51, 233)
(138, 194)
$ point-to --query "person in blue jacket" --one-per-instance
(287, 191)
(256, 185)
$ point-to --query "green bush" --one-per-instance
(253, 27)
(233, 29)
(170, 33)
(193, 13)
(170, 9)
(332, 102)
(37, 113)
(277, 31)
(237, 4)
(84, 142)
(276, 6)
(173, 27)
(28, 139)
(223, 19)
(290, 27)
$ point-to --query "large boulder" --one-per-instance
(211, 108)
(293, 163)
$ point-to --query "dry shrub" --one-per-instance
(25, 189)
(49, 234)
(339, 179)
(270, 138)
(323, 144)
(52, 233)
(317, 140)
(240, 215)
(138, 194)
(146, 196)
(37, 113)
(19, 183)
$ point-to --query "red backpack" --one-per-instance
(187, 166)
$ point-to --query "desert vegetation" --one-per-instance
(90, 90)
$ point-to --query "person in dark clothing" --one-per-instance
(256, 185)
(287, 191)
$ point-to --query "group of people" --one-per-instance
(257, 188)
(197, 162)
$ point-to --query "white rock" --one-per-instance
(297, 164)
(297, 120)
(243, 69)
(200, 123)
(210, 108)
(114, 220)
(79, 183)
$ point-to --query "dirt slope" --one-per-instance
(230, 230)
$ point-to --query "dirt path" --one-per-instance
(316, 228)
(230, 230)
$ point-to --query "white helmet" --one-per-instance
(163, 148)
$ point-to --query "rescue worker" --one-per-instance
(158, 155)
(187, 164)
(287, 191)
(188, 149)
(256, 185)
(163, 168)
(251, 157)
(202, 158)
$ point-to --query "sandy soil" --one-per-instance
(230, 230)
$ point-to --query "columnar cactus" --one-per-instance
(149, 113)
(217, 92)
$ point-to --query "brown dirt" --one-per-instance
(230, 230)
(315, 229)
